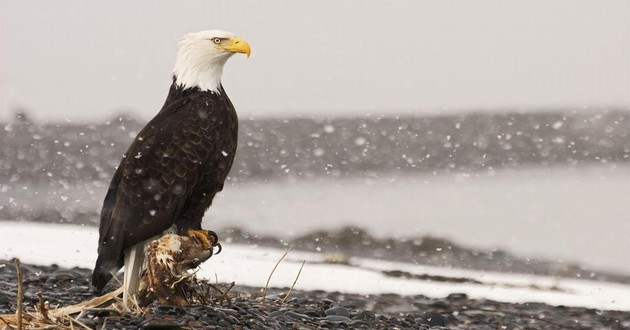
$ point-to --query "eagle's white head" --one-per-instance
(201, 58)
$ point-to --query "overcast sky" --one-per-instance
(88, 60)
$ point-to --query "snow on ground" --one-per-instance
(71, 246)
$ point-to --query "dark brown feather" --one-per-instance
(169, 175)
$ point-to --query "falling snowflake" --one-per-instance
(558, 124)
(360, 141)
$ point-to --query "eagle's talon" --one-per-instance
(220, 248)
(214, 236)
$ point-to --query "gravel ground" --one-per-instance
(246, 309)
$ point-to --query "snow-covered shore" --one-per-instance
(75, 246)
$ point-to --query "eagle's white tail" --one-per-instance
(134, 259)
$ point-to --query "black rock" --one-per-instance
(170, 310)
(433, 319)
(440, 303)
(341, 311)
(295, 315)
(359, 323)
(225, 323)
(157, 324)
(275, 314)
(457, 296)
(338, 319)
(366, 315)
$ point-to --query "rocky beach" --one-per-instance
(247, 308)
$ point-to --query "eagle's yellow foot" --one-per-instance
(207, 238)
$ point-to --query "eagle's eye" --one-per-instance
(216, 40)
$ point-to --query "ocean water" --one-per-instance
(567, 214)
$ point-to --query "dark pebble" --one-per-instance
(340, 311)
(64, 276)
(128, 327)
(78, 289)
(195, 325)
(273, 297)
(283, 319)
(170, 310)
(184, 319)
(297, 316)
(457, 296)
(359, 323)
(328, 301)
(337, 319)
(225, 324)
(313, 313)
(227, 311)
(232, 319)
(439, 303)
(256, 314)
(157, 324)
(433, 319)
(209, 320)
(366, 315)
(203, 310)
(275, 314)
(7, 299)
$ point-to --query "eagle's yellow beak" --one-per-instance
(238, 45)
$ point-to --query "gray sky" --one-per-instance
(87, 60)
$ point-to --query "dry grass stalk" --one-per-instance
(20, 293)
(286, 297)
(204, 293)
(272, 271)
(42, 306)
(94, 302)
(7, 324)
(71, 320)
(225, 296)
(60, 318)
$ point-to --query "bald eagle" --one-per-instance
(177, 163)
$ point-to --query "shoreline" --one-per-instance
(352, 242)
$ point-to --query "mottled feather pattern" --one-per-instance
(169, 175)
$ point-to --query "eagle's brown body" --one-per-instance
(169, 175)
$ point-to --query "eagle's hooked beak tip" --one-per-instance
(239, 45)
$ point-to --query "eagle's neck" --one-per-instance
(199, 68)
(178, 92)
